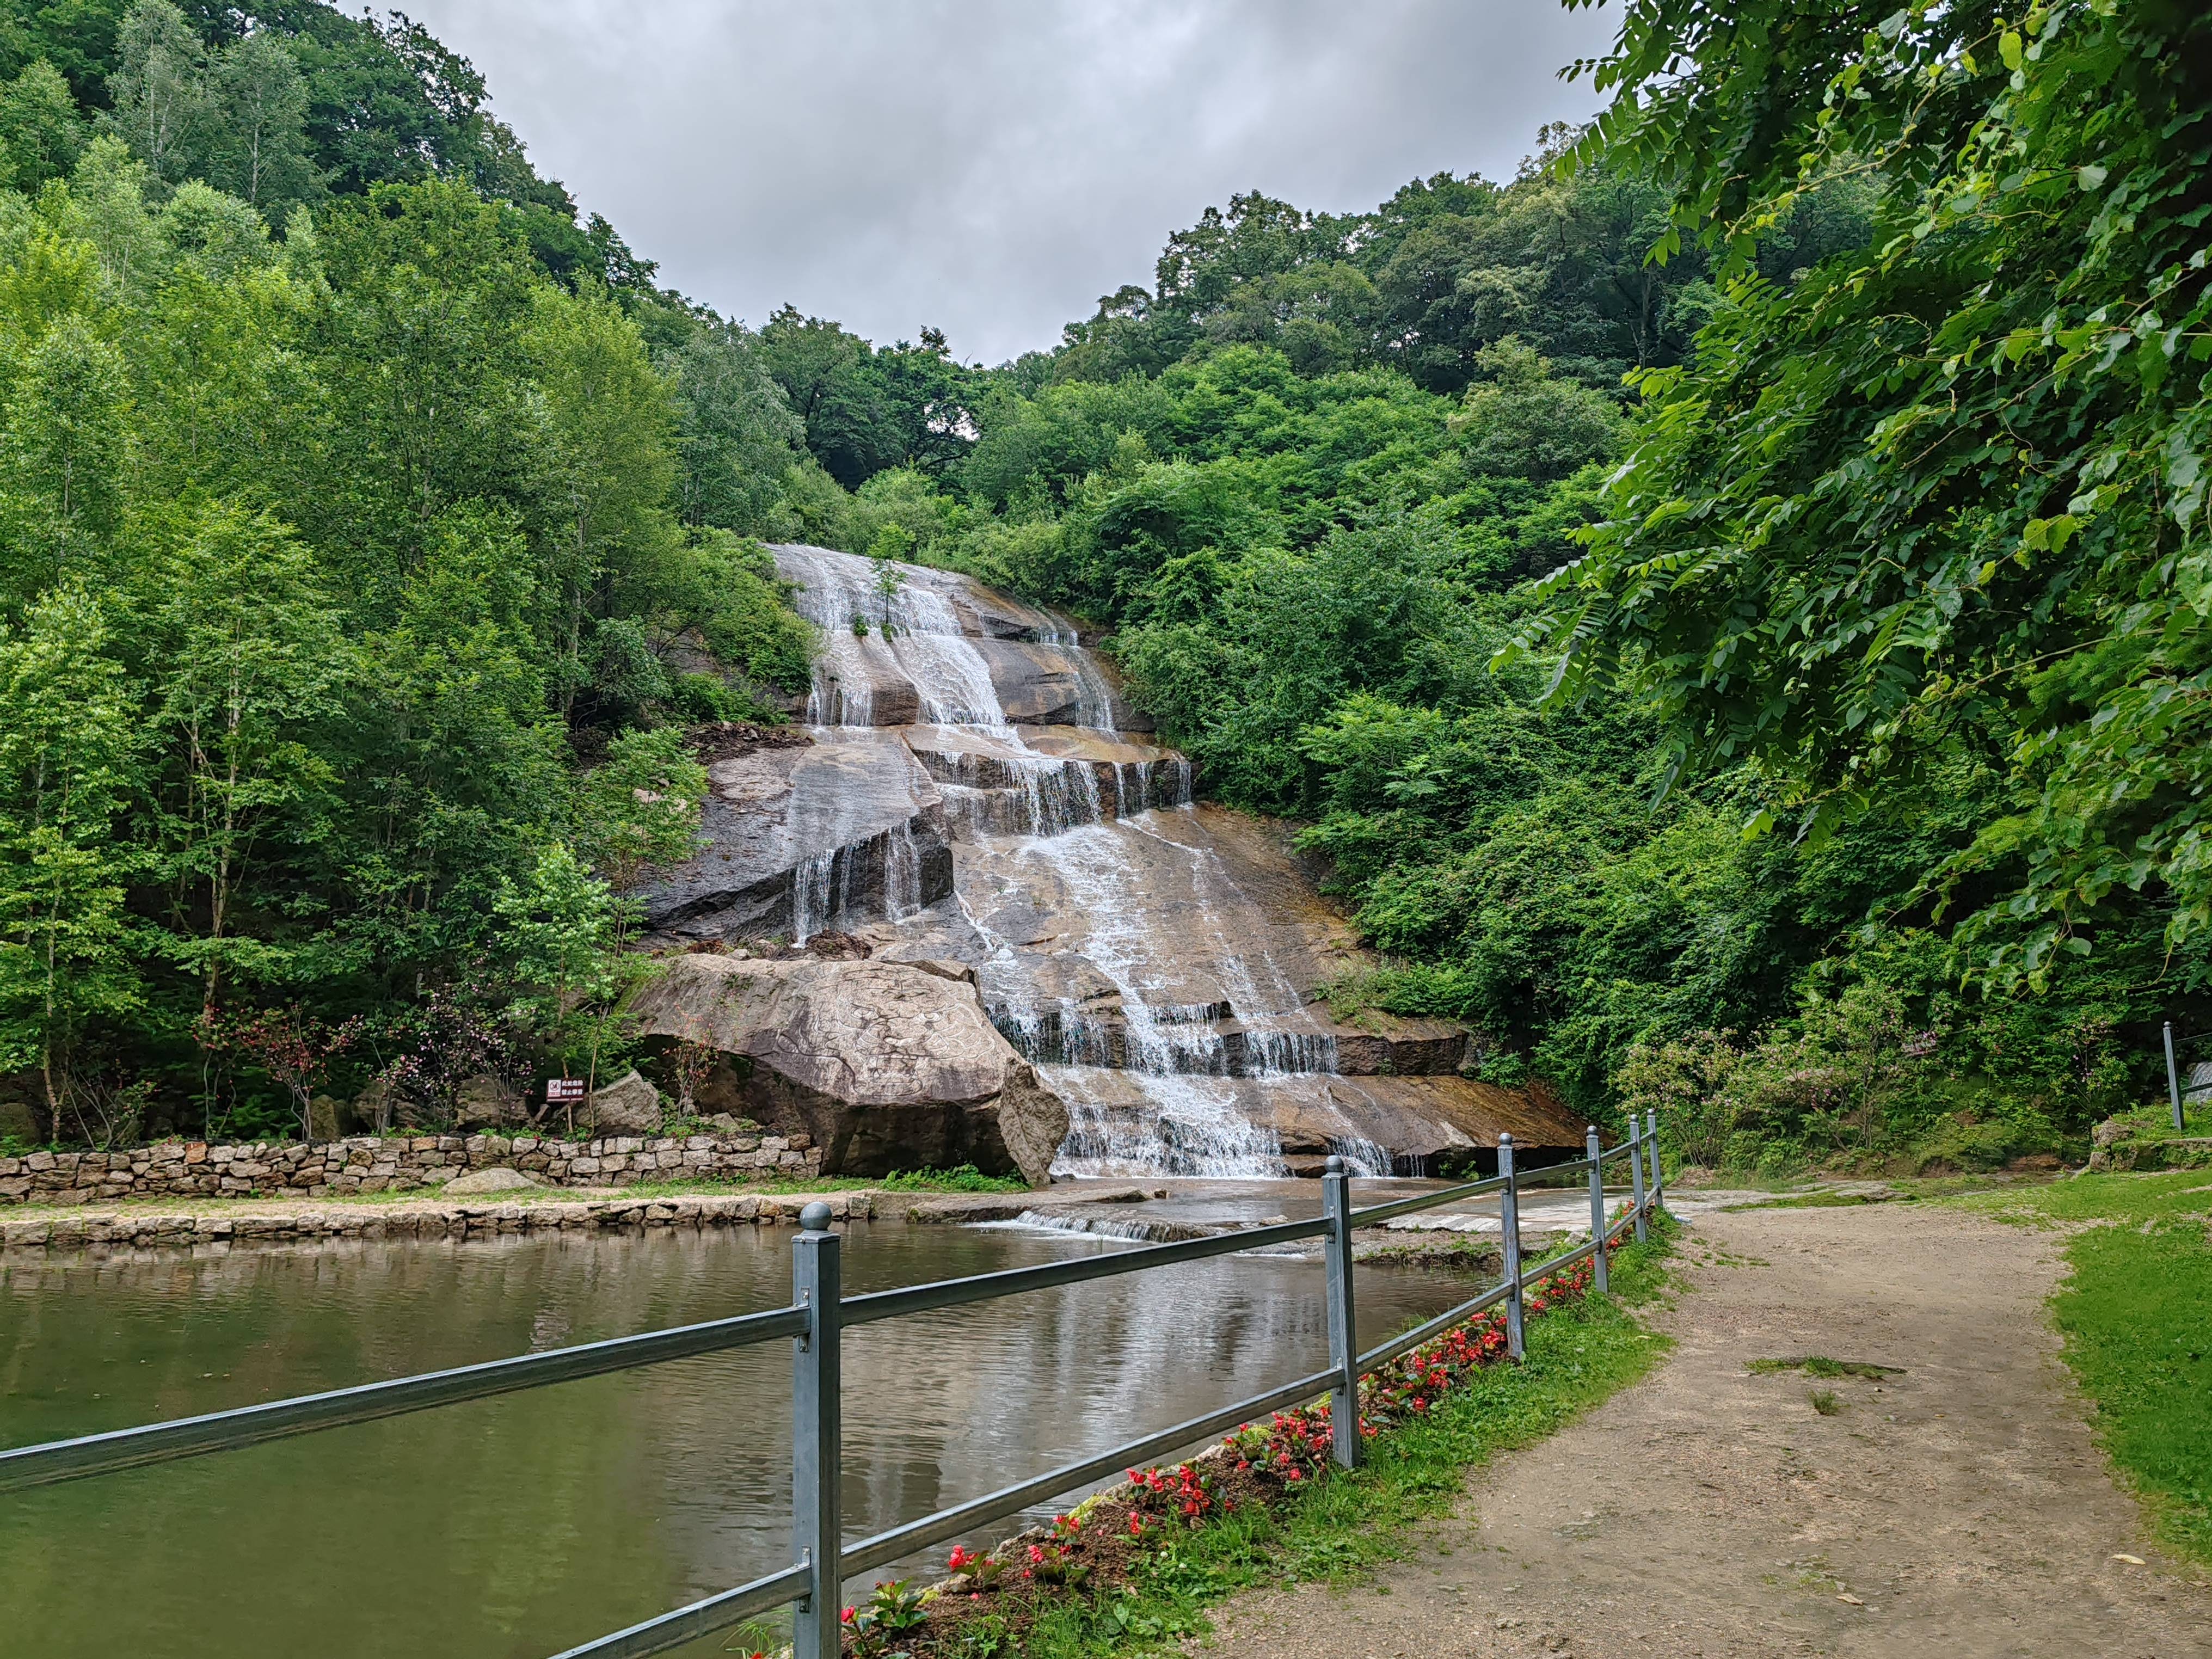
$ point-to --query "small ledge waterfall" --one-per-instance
(973, 791)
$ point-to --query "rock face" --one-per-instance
(886, 1065)
(978, 802)
(485, 1101)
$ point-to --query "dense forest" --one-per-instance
(1723, 604)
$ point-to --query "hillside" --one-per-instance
(374, 530)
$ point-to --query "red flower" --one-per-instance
(960, 1560)
(849, 1614)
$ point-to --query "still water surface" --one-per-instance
(516, 1527)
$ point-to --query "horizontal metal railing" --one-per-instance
(1375, 1214)
(1014, 1281)
(816, 1320)
(251, 1425)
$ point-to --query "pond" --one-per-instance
(516, 1527)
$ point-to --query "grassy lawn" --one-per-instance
(2136, 1316)
(1578, 1355)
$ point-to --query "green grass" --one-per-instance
(2136, 1316)
(1577, 1357)
(1831, 1200)
(967, 1178)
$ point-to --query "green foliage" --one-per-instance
(554, 933)
(1311, 529)
(345, 553)
(41, 135)
(964, 1178)
(69, 756)
(1953, 482)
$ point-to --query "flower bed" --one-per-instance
(991, 1599)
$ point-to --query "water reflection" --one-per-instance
(515, 1527)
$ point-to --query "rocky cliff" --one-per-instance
(974, 810)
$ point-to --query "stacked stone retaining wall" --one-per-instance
(376, 1163)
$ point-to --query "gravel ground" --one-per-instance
(1959, 1509)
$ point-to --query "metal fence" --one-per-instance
(819, 1313)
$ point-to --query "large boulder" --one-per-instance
(887, 1065)
(498, 1178)
(627, 1106)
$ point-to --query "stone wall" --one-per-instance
(376, 1163)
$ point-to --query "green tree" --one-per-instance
(641, 806)
(247, 662)
(609, 470)
(257, 146)
(558, 931)
(159, 90)
(892, 542)
(67, 442)
(1955, 482)
(736, 433)
(68, 753)
(41, 135)
(419, 343)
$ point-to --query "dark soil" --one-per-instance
(727, 739)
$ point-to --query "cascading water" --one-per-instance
(1116, 952)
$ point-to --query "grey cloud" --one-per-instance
(991, 167)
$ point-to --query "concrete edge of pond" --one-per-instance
(229, 1221)
(226, 1221)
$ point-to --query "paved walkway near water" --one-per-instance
(1961, 1508)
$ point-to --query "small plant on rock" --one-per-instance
(894, 1609)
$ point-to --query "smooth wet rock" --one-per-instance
(797, 833)
(885, 1064)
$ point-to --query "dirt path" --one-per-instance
(1961, 1508)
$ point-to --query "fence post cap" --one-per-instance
(1333, 1165)
(815, 1218)
(1504, 1137)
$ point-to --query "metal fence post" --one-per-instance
(1343, 1328)
(2172, 1078)
(1509, 1215)
(817, 1428)
(1597, 1211)
(1636, 1174)
(1658, 1171)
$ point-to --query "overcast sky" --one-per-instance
(991, 167)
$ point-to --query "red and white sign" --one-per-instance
(564, 1088)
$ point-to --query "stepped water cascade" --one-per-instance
(972, 793)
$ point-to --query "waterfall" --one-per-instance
(1152, 1001)
(811, 910)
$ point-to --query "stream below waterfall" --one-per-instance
(512, 1527)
